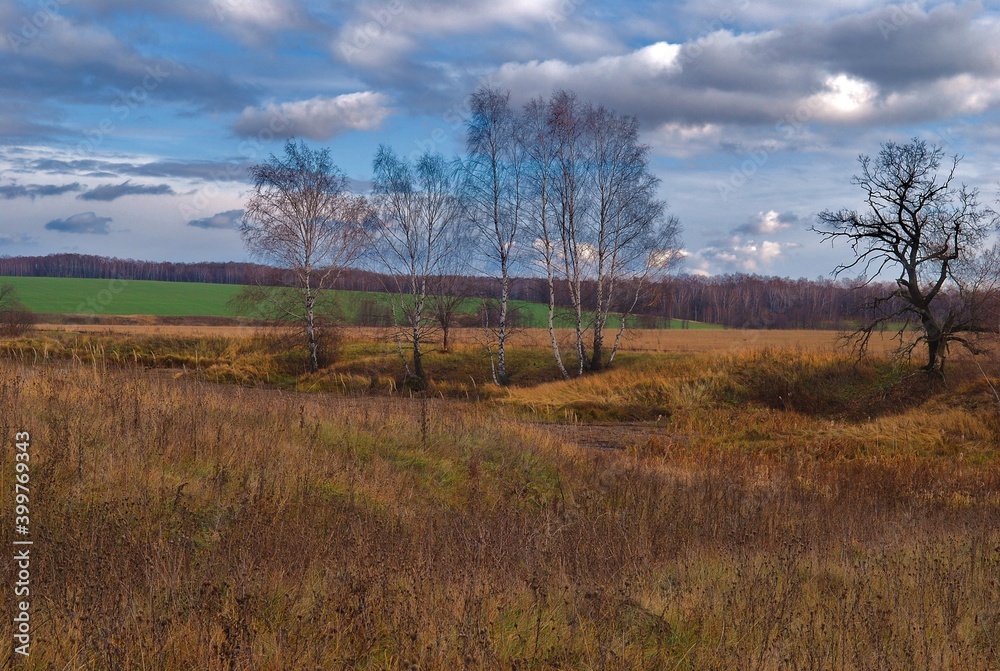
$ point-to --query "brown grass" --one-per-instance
(181, 524)
(639, 340)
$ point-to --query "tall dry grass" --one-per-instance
(182, 524)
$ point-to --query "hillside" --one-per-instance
(97, 297)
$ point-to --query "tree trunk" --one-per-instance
(419, 381)
(552, 325)
(502, 330)
(935, 340)
(596, 357)
(311, 333)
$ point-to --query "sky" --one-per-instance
(127, 126)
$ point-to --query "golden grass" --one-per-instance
(183, 524)
(638, 340)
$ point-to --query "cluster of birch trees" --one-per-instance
(558, 188)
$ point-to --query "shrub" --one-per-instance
(15, 319)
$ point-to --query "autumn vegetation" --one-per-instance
(419, 495)
(749, 505)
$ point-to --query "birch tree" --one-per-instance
(301, 217)
(495, 191)
(419, 213)
(599, 226)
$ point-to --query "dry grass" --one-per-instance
(183, 524)
(639, 340)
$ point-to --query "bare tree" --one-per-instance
(419, 212)
(539, 178)
(598, 224)
(448, 293)
(565, 118)
(927, 231)
(629, 240)
(301, 217)
(495, 171)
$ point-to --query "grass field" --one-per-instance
(71, 296)
(746, 504)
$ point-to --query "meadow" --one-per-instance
(742, 502)
(145, 299)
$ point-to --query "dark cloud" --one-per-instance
(227, 220)
(108, 192)
(85, 222)
(216, 171)
(900, 45)
(33, 191)
(890, 65)
(79, 62)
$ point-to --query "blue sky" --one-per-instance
(127, 125)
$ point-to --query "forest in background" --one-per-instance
(736, 301)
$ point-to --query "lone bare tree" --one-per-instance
(927, 231)
(301, 217)
(415, 236)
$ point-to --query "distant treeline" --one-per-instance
(736, 301)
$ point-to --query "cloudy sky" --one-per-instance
(127, 125)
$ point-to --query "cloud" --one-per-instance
(383, 33)
(108, 192)
(11, 239)
(253, 22)
(77, 61)
(85, 222)
(767, 223)
(738, 255)
(226, 220)
(33, 191)
(318, 118)
(217, 171)
(880, 66)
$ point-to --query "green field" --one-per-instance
(71, 296)
(58, 295)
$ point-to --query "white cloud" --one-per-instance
(319, 118)
(738, 255)
(618, 72)
(845, 97)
